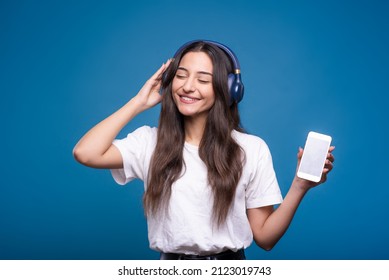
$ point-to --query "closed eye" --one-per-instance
(180, 76)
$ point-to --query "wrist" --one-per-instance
(301, 185)
(137, 105)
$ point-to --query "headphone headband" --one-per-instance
(229, 52)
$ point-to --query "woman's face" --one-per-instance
(192, 87)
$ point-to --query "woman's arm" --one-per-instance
(95, 148)
(269, 225)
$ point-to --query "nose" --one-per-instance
(189, 85)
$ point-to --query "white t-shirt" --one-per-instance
(188, 228)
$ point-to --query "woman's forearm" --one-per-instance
(279, 221)
(95, 143)
(269, 226)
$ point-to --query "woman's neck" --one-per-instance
(194, 130)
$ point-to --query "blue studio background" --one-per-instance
(306, 65)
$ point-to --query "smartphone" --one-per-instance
(314, 156)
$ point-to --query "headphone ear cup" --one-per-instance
(235, 87)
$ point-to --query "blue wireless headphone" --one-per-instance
(235, 85)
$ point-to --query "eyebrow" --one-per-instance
(199, 72)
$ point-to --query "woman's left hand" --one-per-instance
(329, 164)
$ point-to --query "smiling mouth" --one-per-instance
(188, 100)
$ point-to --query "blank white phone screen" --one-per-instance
(315, 154)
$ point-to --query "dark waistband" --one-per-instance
(226, 255)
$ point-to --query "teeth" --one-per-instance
(188, 98)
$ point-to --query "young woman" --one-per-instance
(209, 187)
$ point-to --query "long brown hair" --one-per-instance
(221, 154)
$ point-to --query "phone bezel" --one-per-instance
(312, 177)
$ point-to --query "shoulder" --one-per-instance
(145, 131)
(142, 136)
(254, 147)
(249, 141)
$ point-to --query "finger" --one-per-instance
(300, 153)
(323, 178)
(330, 157)
(328, 166)
(158, 74)
(167, 63)
(164, 68)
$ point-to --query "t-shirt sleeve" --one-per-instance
(136, 150)
(263, 189)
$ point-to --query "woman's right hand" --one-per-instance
(149, 95)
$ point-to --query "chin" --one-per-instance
(187, 113)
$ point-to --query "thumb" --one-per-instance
(300, 153)
(299, 156)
